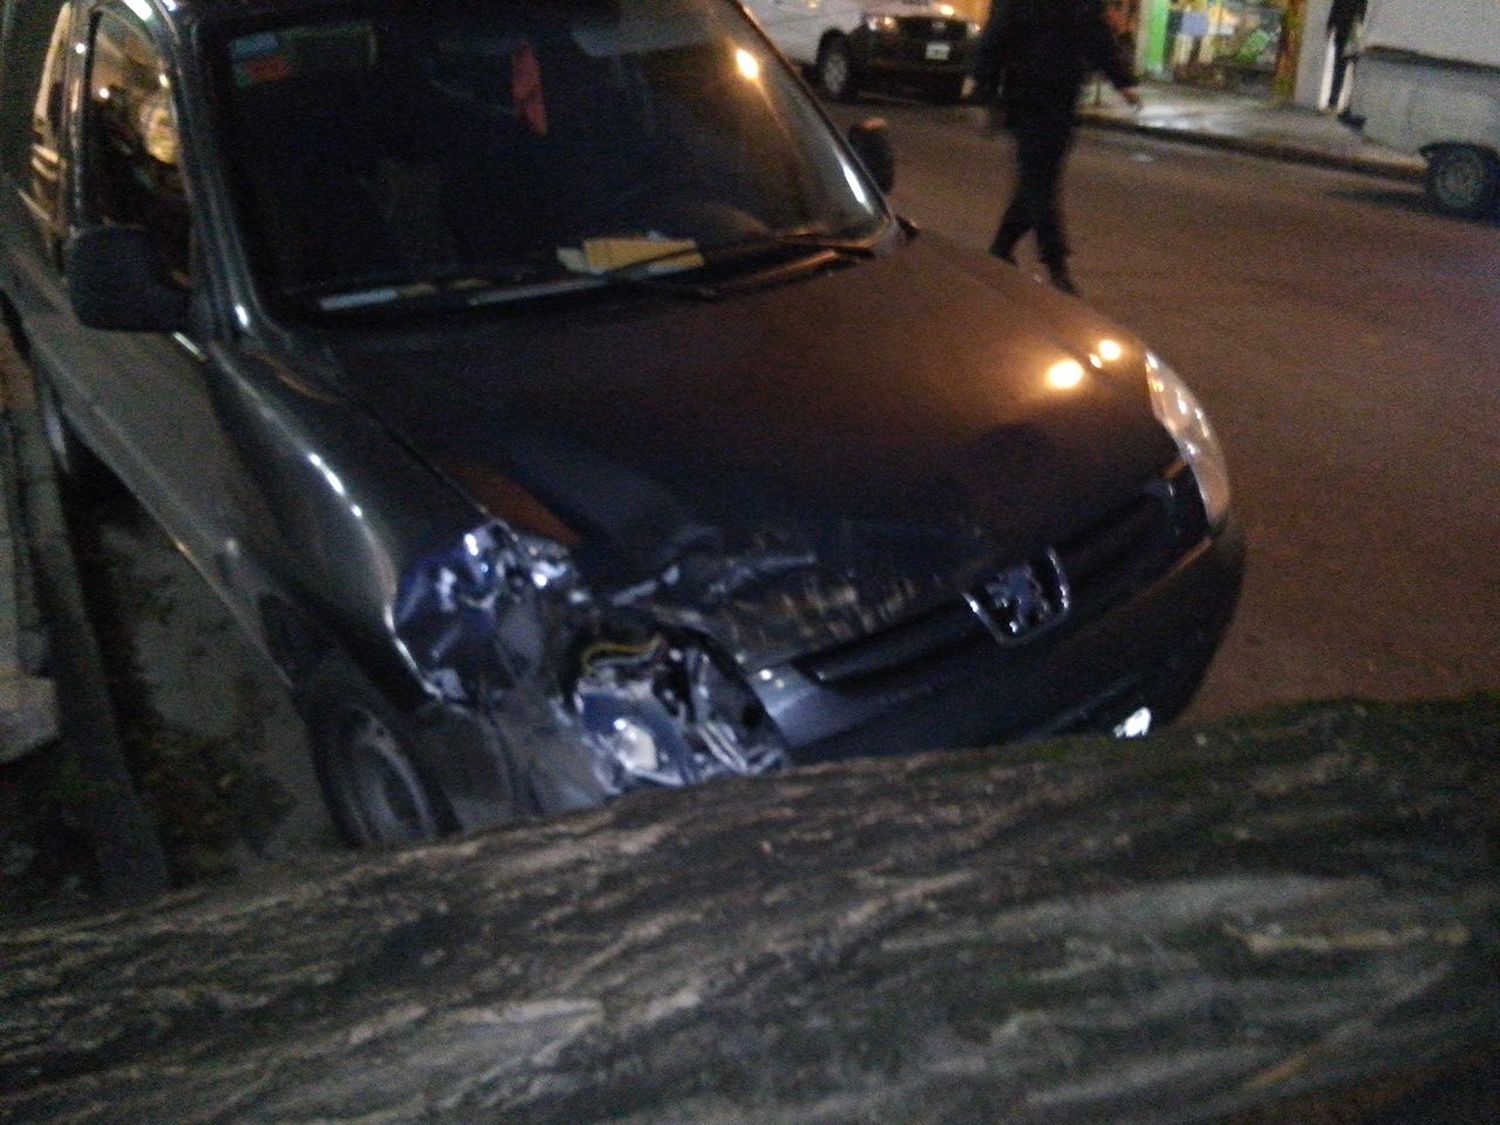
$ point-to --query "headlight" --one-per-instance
(880, 23)
(1179, 411)
(975, 29)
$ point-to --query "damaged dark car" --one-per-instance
(551, 394)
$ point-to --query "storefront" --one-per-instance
(1255, 47)
(1247, 46)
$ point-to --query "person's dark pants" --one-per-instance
(1041, 146)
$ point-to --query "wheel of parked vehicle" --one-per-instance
(77, 465)
(368, 760)
(1463, 179)
(836, 69)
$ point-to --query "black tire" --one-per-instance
(369, 760)
(78, 467)
(946, 91)
(835, 70)
(1463, 180)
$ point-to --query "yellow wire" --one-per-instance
(602, 648)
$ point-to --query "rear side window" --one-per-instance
(132, 175)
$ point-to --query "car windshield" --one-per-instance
(401, 149)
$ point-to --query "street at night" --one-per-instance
(543, 582)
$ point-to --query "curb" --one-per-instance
(1271, 150)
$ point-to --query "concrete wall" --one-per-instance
(1313, 60)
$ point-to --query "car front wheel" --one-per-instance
(368, 759)
(1463, 179)
(836, 70)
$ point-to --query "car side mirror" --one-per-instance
(872, 144)
(116, 282)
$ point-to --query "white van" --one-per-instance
(1428, 82)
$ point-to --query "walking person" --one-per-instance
(1030, 66)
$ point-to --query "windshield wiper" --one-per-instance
(806, 239)
(824, 240)
(650, 273)
(505, 281)
(384, 287)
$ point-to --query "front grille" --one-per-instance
(1113, 558)
(1102, 564)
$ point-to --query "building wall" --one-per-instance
(1313, 63)
(971, 9)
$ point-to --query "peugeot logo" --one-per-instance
(1022, 601)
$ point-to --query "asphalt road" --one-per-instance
(1346, 340)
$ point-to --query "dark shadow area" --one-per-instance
(197, 742)
(1409, 199)
(46, 858)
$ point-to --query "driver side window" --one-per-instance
(131, 170)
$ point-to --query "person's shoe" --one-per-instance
(1004, 255)
(1061, 281)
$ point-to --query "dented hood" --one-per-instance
(929, 391)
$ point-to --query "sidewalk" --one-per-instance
(1244, 124)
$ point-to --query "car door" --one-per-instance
(148, 394)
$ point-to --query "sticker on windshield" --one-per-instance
(272, 56)
(254, 46)
(257, 59)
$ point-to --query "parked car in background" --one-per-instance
(551, 394)
(850, 46)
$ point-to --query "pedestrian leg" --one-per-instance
(1013, 227)
(1041, 170)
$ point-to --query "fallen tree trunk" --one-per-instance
(1191, 926)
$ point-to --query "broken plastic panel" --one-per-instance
(501, 618)
(771, 601)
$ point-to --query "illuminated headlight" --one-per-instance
(880, 23)
(1179, 411)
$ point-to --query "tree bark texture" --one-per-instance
(1197, 925)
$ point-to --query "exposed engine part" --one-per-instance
(501, 623)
